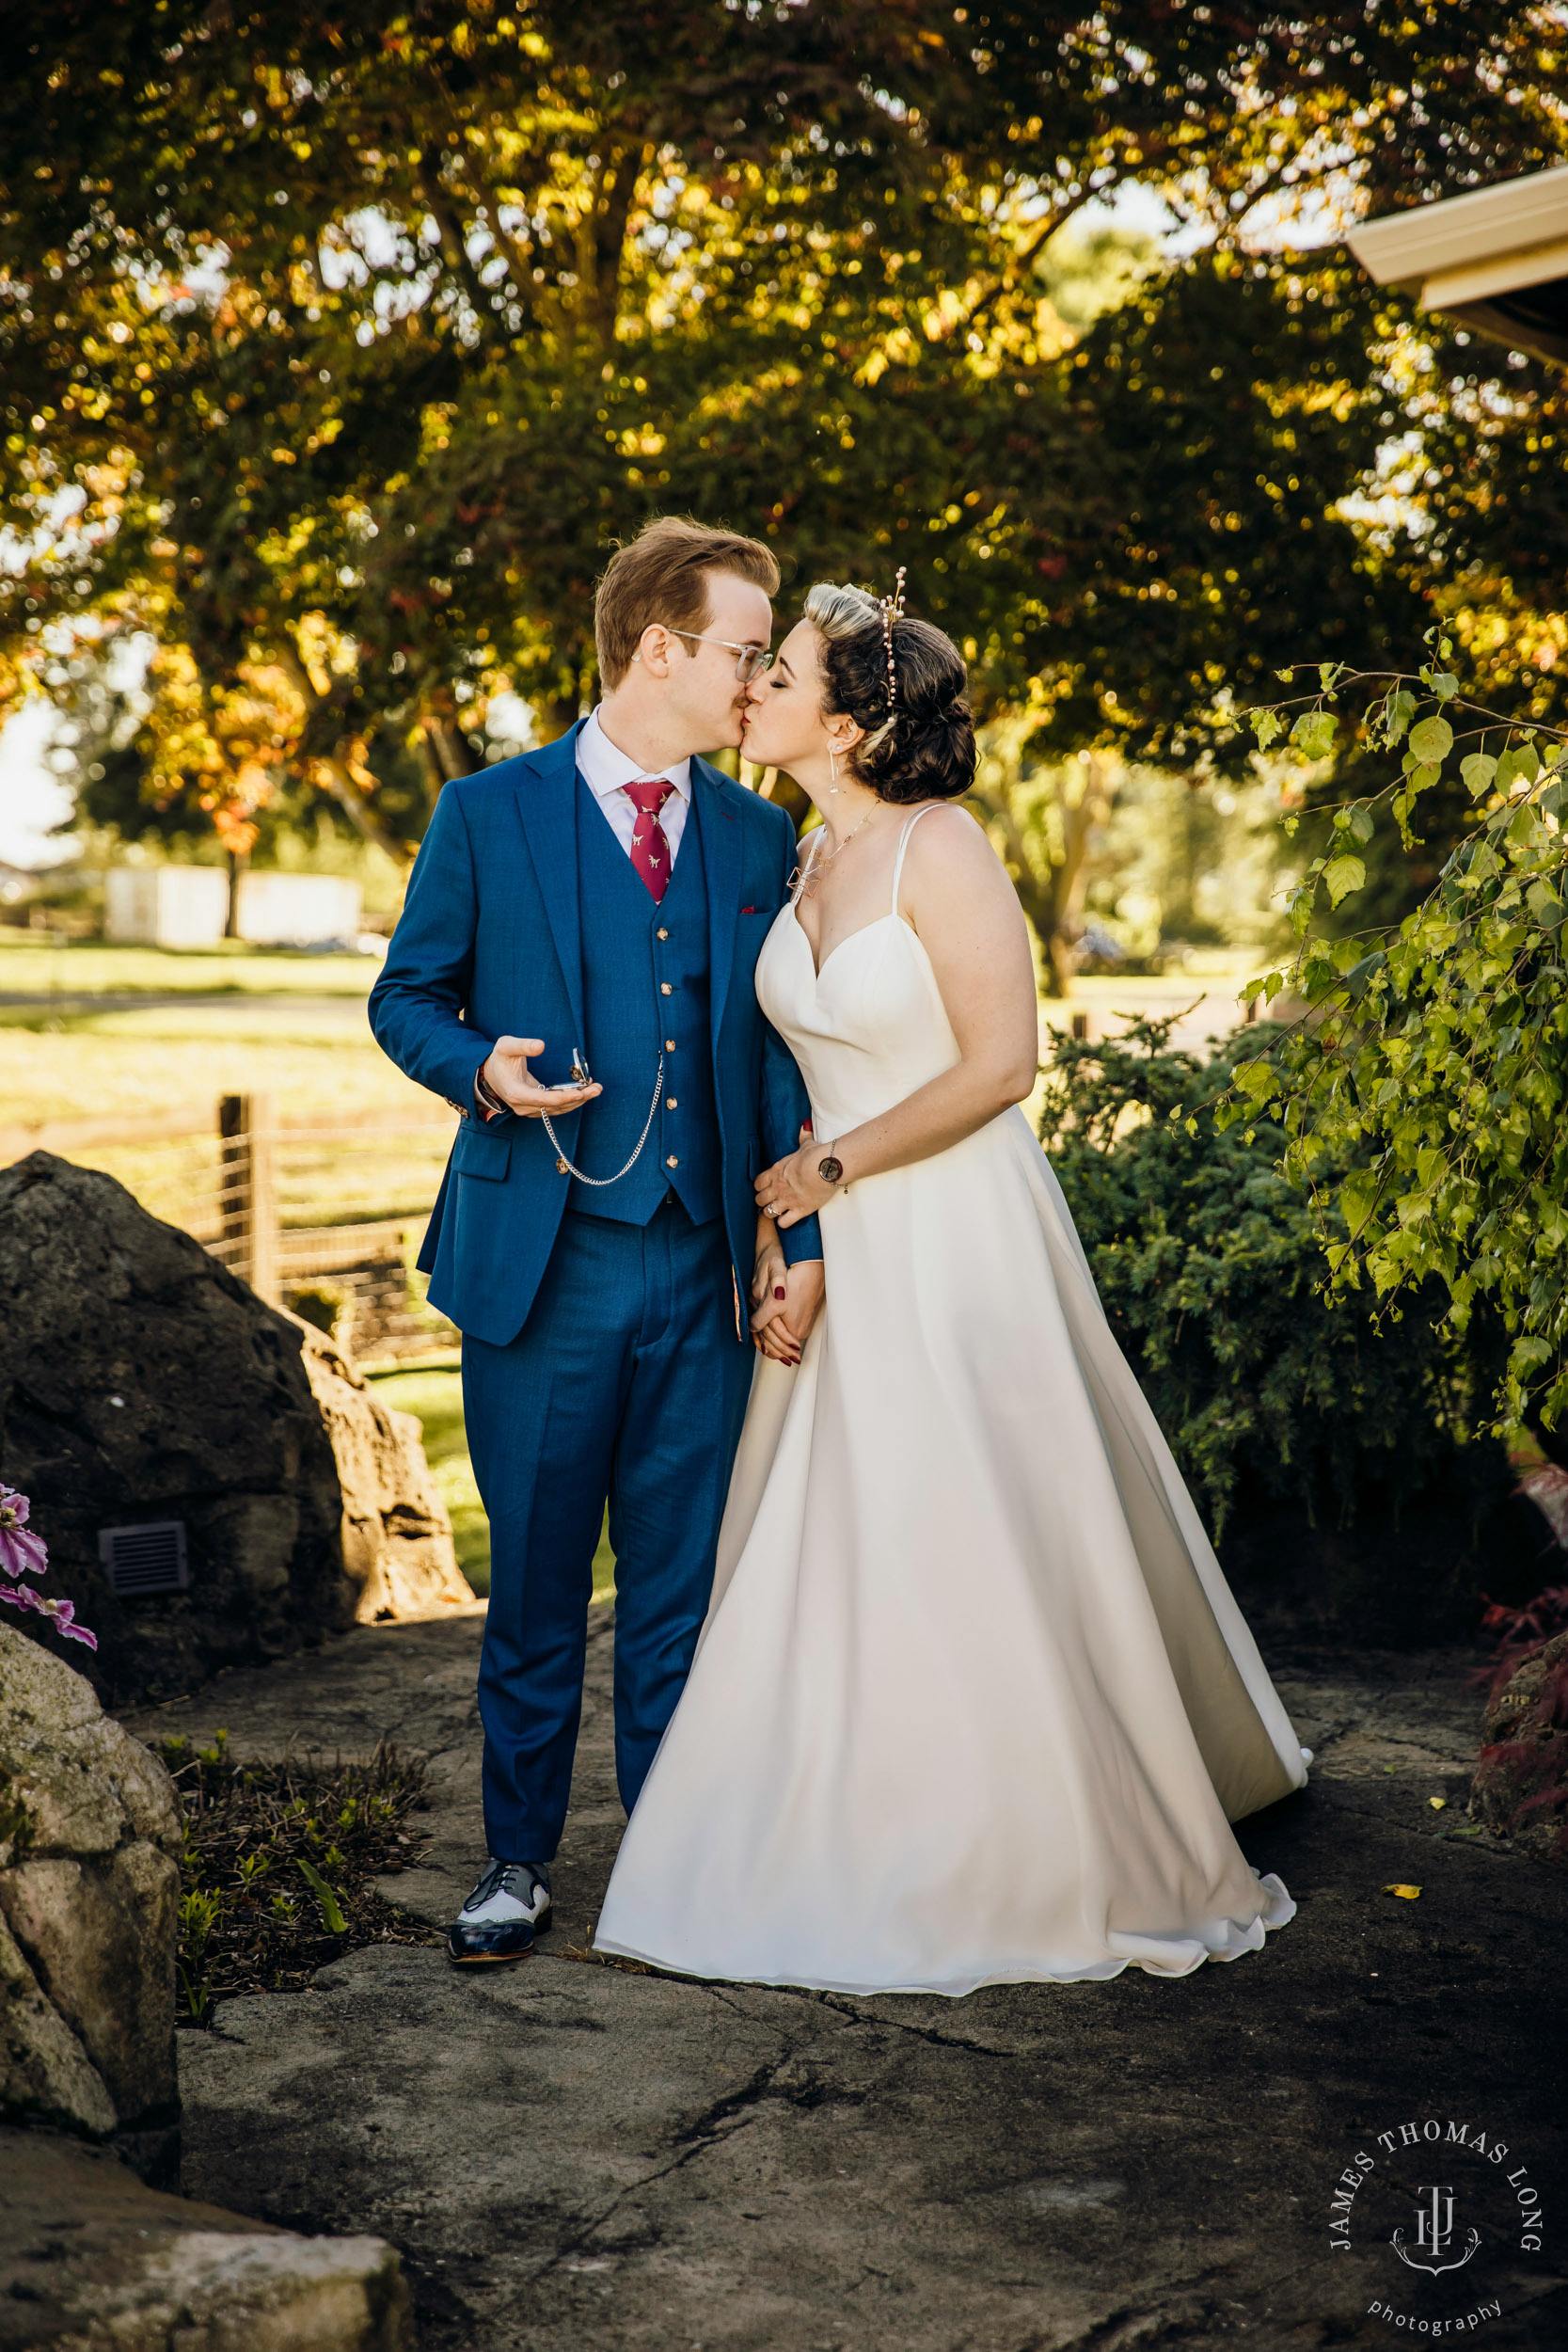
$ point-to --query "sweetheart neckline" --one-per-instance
(817, 969)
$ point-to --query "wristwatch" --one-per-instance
(830, 1169)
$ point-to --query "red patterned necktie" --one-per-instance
(650, 846)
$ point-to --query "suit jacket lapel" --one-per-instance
(719, 833)
(547, 804)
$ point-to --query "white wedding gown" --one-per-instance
(974, 1702)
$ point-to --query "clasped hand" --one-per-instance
(507, 1071)
(791, 1188)
(785, 1299)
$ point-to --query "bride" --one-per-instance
(974, 1702)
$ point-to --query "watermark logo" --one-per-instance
(1446, 2204)
(1434, 2234)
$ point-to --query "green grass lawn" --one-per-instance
(314, 1060)
(95, 967)
(436, 1394)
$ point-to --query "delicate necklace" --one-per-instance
(805, 878)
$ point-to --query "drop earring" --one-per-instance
(832, 770)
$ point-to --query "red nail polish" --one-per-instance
(778, 1290)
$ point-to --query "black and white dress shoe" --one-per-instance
(508, 1907)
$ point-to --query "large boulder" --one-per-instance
(90, 1899)
(140, 1382)
(396, 1535)
(91, 2260)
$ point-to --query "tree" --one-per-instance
(343, 346)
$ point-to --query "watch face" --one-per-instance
(830, 1169)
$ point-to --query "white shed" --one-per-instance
(298, 910)
(166, 906)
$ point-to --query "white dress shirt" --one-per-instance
(605, 771)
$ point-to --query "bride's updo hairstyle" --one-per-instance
(919, 742)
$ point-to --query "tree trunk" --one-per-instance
(239, 861)
(366, 823)
(452, 752)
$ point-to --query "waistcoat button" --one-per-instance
(671, 1161)
(665, 989)
(668, 1045)
(663, 933)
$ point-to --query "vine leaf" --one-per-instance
(1342, 875)
(1431, 740)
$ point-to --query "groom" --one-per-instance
(597, 907)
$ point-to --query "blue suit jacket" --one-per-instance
(489, 946)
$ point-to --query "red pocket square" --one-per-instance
(748, 910)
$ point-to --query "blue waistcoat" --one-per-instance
(644, 986)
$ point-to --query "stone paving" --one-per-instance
(569, 2153)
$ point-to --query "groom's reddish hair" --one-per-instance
(661, 575)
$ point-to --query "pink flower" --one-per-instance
(61, 1612)
(22, 1553)
(64, 1614)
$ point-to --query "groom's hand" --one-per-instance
(507, 1072)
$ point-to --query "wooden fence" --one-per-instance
(324, 1219)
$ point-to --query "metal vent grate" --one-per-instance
(149, 1559)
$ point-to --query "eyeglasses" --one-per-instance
(753, 659)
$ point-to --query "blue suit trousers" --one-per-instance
(626, 1383)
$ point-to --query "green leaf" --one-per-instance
(331, 1907)
(1478, 769)
(1313, 734)
(1360, 974)
(1519, 764)
(1356, 1195)
(1545, 905)
(1258, 1078)
(1431, 740)
(1343, 875)
(1400, 710)
(1357, 821)
(1300, 901)
(1266, 724)
(1445, 685)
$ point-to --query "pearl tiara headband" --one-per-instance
(893, 609)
